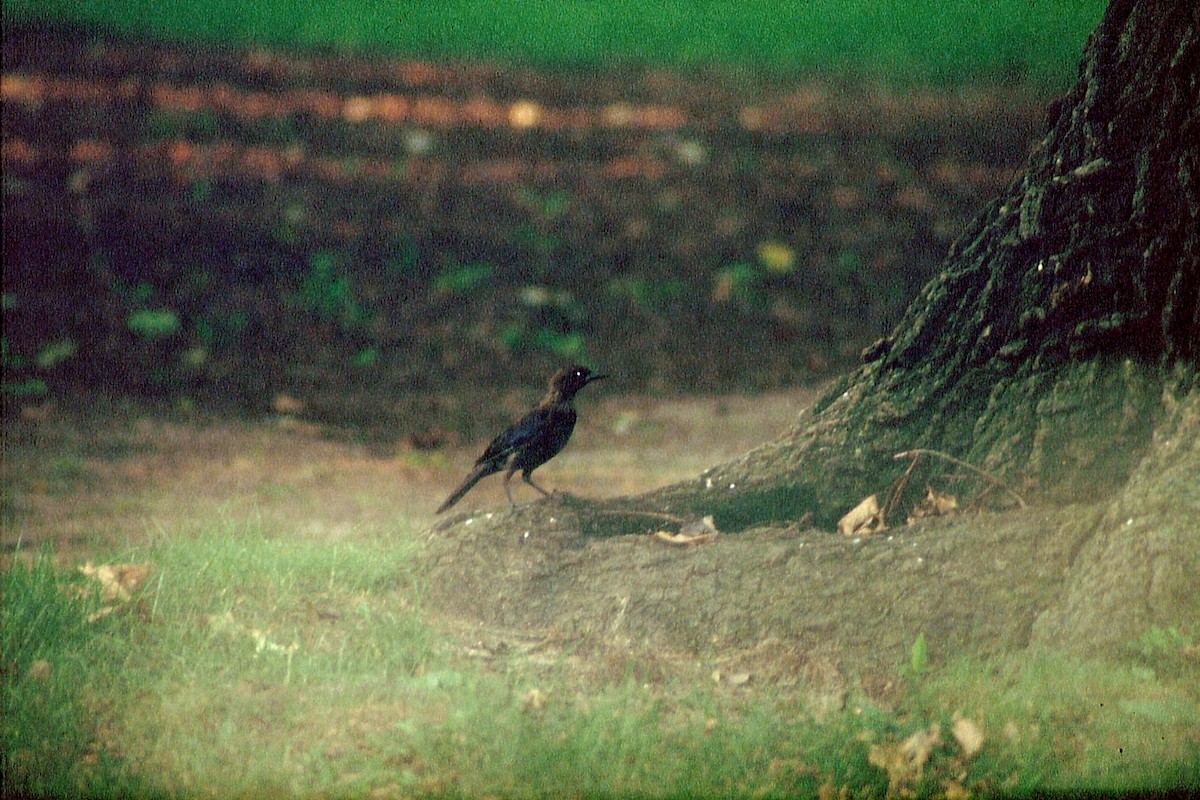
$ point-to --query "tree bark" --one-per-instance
(1040, 352)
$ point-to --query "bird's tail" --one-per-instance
(481, 471)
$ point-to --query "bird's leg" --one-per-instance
(512, 506)
(529, 479)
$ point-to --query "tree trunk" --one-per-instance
(1056, 353)
(1040, 352)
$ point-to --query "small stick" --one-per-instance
(898, 487)
(614, 512)
(987, 475)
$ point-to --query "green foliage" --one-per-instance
(548, 320)
(918, 658)
(147, 321)
(199, 126)
(66, 473)
(366, 357)
(513, 336)
(26, 386)
(546, 205)
(567, 345)
(137, 294)
(849, 266)
(854, 277)
(199, 190)
(776, 257)
(41, 619)
(153, 323)
(328, 294)
(463, 278)
(17, 367)
(54, 353)
(221, 329)
(248, 586)
(627, 739)
(648, 294)
(741, 282)
(405, 256)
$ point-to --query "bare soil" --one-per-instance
(84, 479)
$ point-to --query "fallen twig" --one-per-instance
(913, 454)
(615, 512)
(897, 488)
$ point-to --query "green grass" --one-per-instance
(1065, 723)
(923, 41)
(254, 662)
(53, 687)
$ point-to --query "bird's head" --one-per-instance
(566, 382)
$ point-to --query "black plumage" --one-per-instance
(532, 440)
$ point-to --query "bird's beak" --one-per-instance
(595, 377)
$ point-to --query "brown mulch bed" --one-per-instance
(382, 242)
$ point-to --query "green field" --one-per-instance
(250, 664)
(923, 41)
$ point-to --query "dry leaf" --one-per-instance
(739, 679)
(935, 504)
(263, 642)
(956, 791)
(969, 736)
(226, 624)
(37, 413)
(535, 699)
(286, 404)
(692, 532)
(289, 423)
(734, 679)
(863, 518)
(904, 762)
(118, 582)
(223, 624)
(827, 791)
(697, 527)
(683, 539)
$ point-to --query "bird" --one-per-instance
(532, 440)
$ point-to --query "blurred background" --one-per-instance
(400, 217)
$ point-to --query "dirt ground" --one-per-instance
(87, 478)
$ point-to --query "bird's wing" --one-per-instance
(514, 437)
